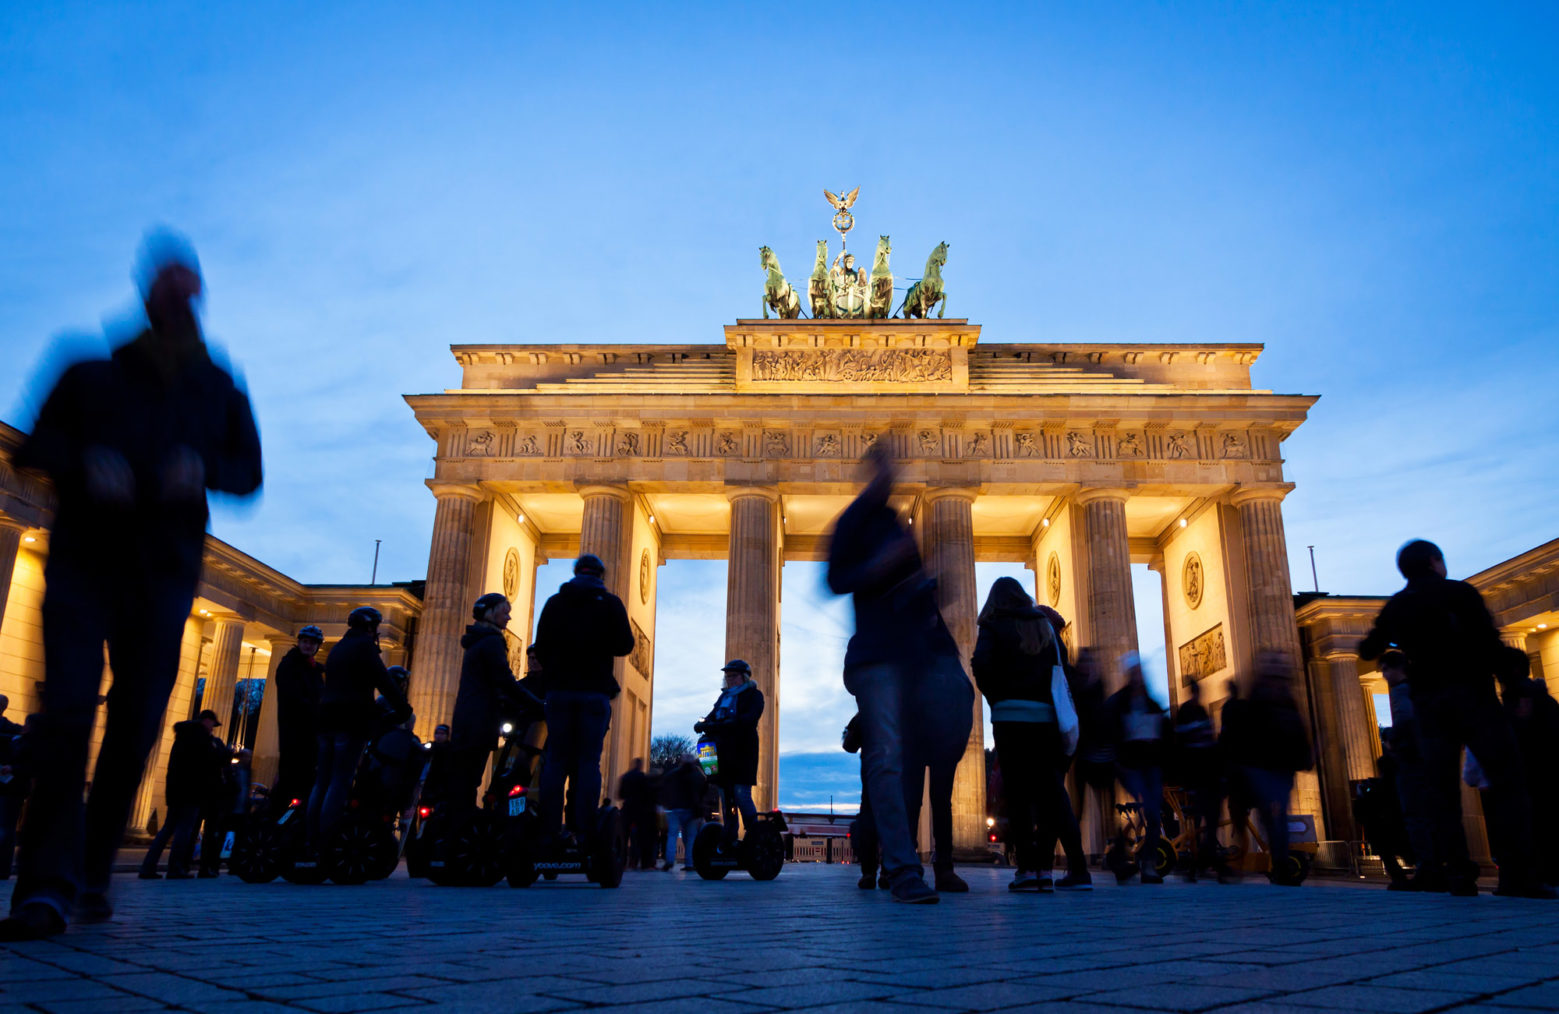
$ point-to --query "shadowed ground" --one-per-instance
(810, 939)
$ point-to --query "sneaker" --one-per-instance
(35, 921)
(914, 891)
(668, 867)
(1075, 882)
(884, 882)
(867, 881)
(1045, 884)
(93, 907)
(948, 882)
(149, 875)
(1024, 880)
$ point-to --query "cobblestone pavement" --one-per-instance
(810, 939)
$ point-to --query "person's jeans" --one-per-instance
(1146, 786)
(339, 754)
(1271, 790)
(1447, 719)
(467, 764)
(65, 846)
(880, 692)
(1031, 782)
(686, 823)
(576, 728)
(940, 719)
(180, 829)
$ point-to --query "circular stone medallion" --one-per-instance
(1191, 581)
(1053, 580)
(644, 576)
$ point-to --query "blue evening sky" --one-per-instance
(1368, 189)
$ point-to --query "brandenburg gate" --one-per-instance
(1076, 459)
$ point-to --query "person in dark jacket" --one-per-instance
(225, 808)
(681, 795)
(1014, 657)
(13, 788)
(1140, 727)
(733, 723)
(194, 767)
(1095, 764)
(488, 696)
(1270, 745)
(1199, 771)
(300, 680)
(435, 783)
(636, 791)
(582, 631)
(348, 719)
(1453, 651)
(873, 558)
(1534, 715)
(131, 444)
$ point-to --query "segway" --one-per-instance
(761, 851)
(600, 857)
(264, 842)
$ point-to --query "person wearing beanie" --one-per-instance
(488, 695)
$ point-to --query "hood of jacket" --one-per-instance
(478, 631)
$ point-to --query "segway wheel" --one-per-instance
(256, 857)
(297, 867)
(474, 853)
(706, 845)
(765, 851)
(358, 851)
(1297, 867)
(1164, 858)
(607, 854)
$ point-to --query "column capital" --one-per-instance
(1092, 494)
(10, 524)
(935, 493)
(457, 491)
(735, 492)
(1346, 657)
(1253, 494)
(589, 489)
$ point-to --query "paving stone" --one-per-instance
(1378, 998)
(1543, 997)
(982, 996)
(1175, 997)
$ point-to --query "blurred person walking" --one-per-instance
(636, 795)
(1200, 773)
(1273, 746)
(681, 794)
(194, 769)
(1140, 726)
(1452, 651)
(131, 443)
(1095, 765)
(1534, 715)
(872, 557)
(13, 787)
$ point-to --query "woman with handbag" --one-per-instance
(1017, 666)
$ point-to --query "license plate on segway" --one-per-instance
(516, 806)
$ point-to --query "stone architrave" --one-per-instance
(1112, 612)
(752, 616)
(948, 545)
(435, 666)
(227, 643)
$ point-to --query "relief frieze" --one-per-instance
(893, 366)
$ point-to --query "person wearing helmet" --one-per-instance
(733, 722)
(131, 444)
(488, 695)
(347, 717)
(582, 630)
(300, 679)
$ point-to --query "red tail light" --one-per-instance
(423, 811)
(518, 790)
(297, 802)
(993, 837)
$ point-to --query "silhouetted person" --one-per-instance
(131, 444)
(1014, 658)
(872, 557)
(863, 829)
(1272, 744)
(1452, 651)
(489, 695)
(681, 794)
(1534, 715)
(636, 790)
(225, 807)
(733, 724)
(1095, 763)
(936, 735)
(1139, 726)
(1377, 806)
(1201, 775)
(435, 783)
(14, 779)
(1069, 830)
(300, 679)
(194, 769)
(583, 629)
(348, 718)
(1412, 780)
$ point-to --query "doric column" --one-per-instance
(435, 672)
(10, 544)
(1112, 613)
(267, 741)
(1269, 591)
(948, 545)
(1353, 722)
(227, 645)
(752, 616)
(606, 529)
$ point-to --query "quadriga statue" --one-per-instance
(881, 300)
(928, 292)
(776, 291)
